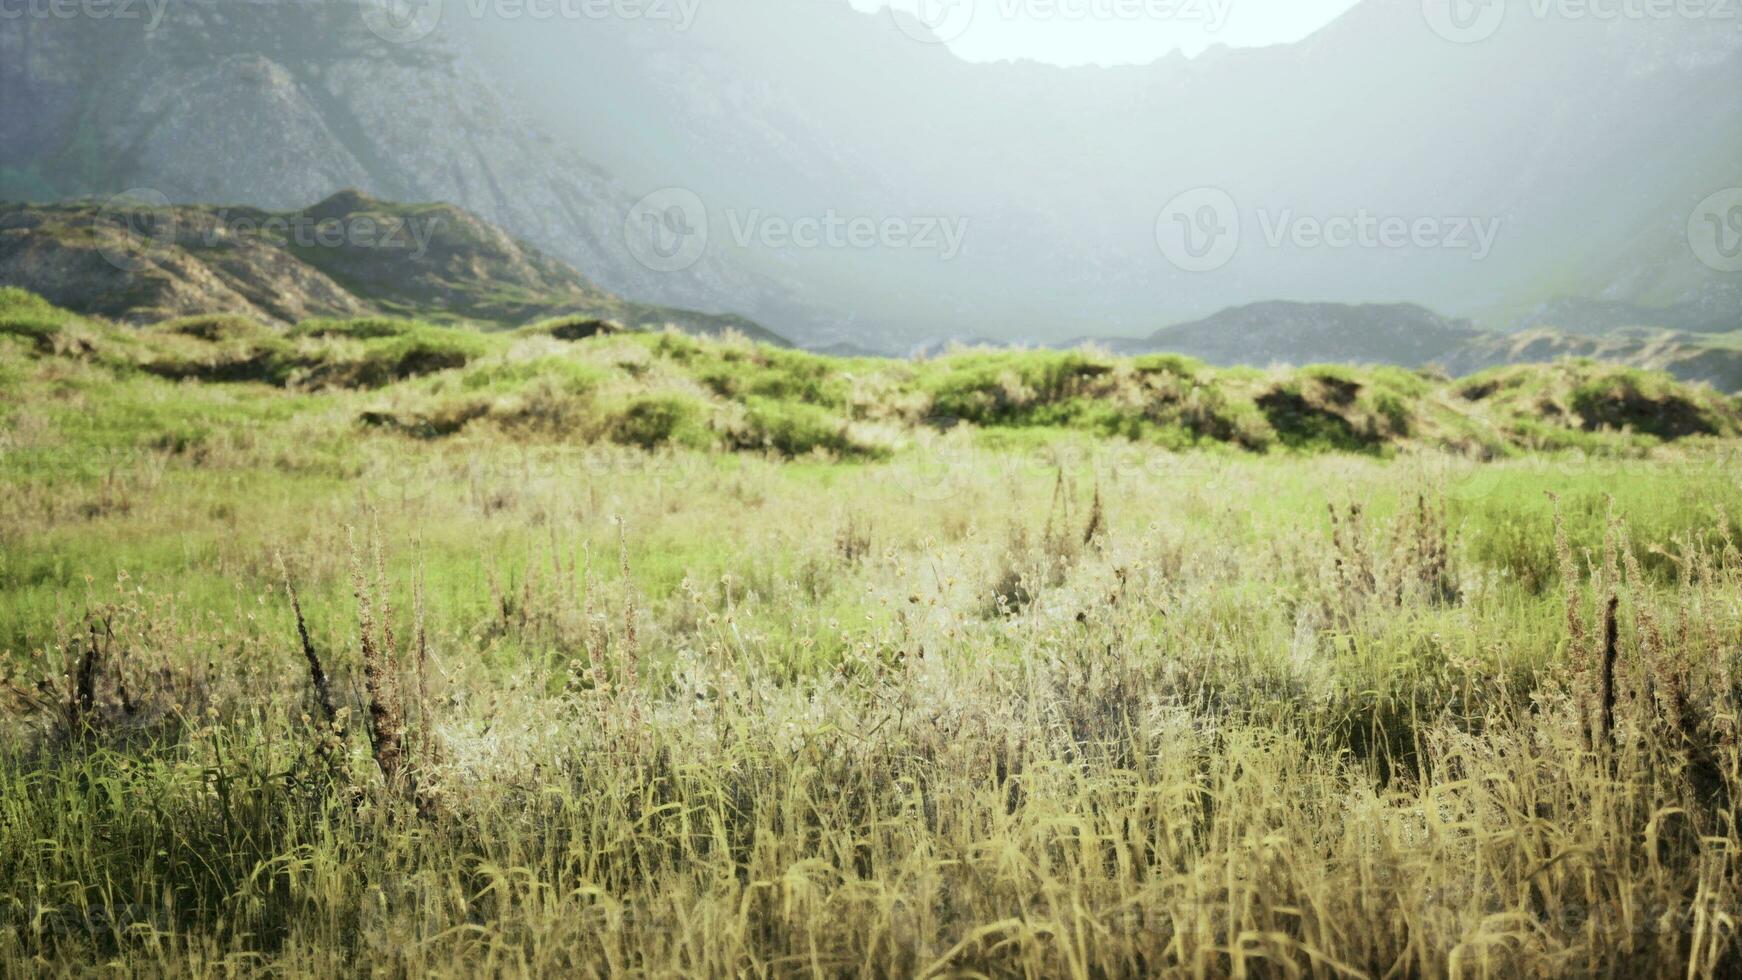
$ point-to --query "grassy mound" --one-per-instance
(573, 328)
(584, 379)
(39, 325)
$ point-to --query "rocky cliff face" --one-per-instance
(281, 104)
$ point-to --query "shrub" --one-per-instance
(1012, 388)
(575, 328)
(217, 328)
(1175, 365)
(780, 375)
(362, 328)
(794, 429)
(652, 421)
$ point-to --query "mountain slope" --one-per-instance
(347, 256)
(1713, 360)
(279, 103)
(1587, 143)
(1714, 310)
(1263, 334)
(1311, 333)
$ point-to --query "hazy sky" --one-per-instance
(1110, 32)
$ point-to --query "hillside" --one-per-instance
(1311, 333)
(1405, 335)
(278, 103)
(1712, 359)
(1716, 309)
(1589, 169)
(1589, 174)
(347, 256)
(574, 381)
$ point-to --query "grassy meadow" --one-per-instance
(383, 647)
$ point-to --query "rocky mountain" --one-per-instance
(278, 104)
(348, 256)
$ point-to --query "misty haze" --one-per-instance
(1086, 488)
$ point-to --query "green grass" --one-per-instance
(719, 660)
(732, 394)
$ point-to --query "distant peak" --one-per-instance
(348, 201)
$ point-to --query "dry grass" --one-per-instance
(740, 717)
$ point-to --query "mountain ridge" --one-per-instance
(278, 103)
(1411, 336)
(761, 107)
(1580, 165)
(348, 255)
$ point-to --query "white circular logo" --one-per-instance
(402, 21)
(1464, 21)
(1193, 469)
(398, 478)
(935, 21)
(1715, 231)
(667, 231)
(133, 225)
(940, 463)
(1199, 231)
(1468, 481)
